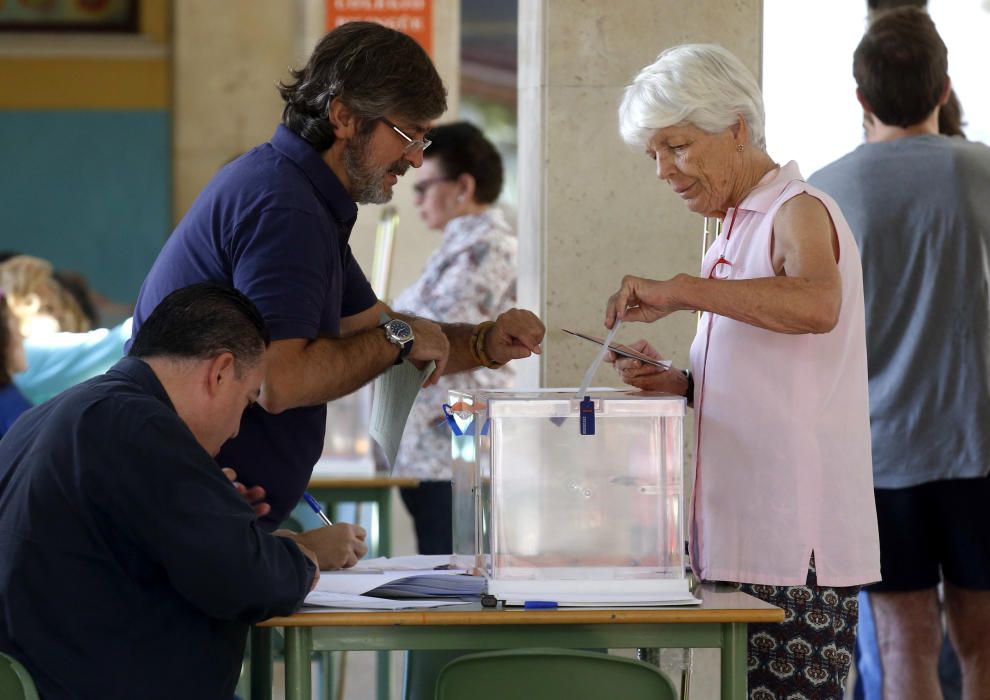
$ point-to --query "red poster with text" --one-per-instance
(412, 17)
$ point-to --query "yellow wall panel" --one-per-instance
(154, 20)
(84, 83)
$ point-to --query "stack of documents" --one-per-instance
(392, 584)
(433, 585)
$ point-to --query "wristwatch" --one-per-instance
(399, 333)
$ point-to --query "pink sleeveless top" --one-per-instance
(783, 462)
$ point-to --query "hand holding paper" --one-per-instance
(626, 351)
(648, 376)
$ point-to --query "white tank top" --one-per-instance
(783, 460)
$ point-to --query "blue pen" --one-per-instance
(539, 604)
(314, 504)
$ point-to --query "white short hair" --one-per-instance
(699, 84)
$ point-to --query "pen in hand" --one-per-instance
(314, 504)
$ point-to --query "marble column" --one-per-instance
(591, 209)
(227, 57)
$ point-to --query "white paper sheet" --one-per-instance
(317, 601)
(352, 582)
(406, 587)
(412, 562)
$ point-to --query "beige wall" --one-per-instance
(592, 210)
(228, 56)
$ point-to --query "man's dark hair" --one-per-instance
(461, 148)
(375, 70)
(901, 66)
(202, 321)
(884, 5)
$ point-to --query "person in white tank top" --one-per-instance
(782, 504)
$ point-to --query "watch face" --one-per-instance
(399, 330)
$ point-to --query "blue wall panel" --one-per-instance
(89, 190)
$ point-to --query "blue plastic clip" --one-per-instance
(448, 414)
(587, 412)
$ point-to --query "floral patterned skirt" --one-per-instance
(808, 655)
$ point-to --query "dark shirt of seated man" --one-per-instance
(130, 566)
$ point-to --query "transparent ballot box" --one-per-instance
(567, 514)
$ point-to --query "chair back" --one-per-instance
(549, 674)
(15, 681)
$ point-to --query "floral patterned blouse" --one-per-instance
(469, 278)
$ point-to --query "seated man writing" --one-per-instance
(130, 566)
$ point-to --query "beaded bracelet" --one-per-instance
(480, 335)
(473, 343)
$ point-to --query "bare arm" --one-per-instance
(305, 372)
(310, 372)
(805, 296)
(517, 333)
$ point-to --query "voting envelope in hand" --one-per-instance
(624, 350)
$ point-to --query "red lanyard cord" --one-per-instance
(699, 401)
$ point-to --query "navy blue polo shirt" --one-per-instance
(129, 565)
(275, 224)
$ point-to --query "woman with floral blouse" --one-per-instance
(469, 278)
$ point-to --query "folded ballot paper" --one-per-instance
(379, 585)
(395, 391)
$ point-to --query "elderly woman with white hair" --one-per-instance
(783, 504)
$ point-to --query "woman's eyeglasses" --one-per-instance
(421, 187)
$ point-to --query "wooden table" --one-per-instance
(719, 622)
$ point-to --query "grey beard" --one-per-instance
(368, 184)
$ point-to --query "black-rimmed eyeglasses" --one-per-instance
(412, 145)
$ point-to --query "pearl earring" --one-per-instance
(739, 147)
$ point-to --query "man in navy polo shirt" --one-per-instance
(275, 224)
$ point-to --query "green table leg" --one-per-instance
(734, 661)
(298, 650)
(330, 669)
(261, 663)
(385, 523)
(383, 675)
(380, 545)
